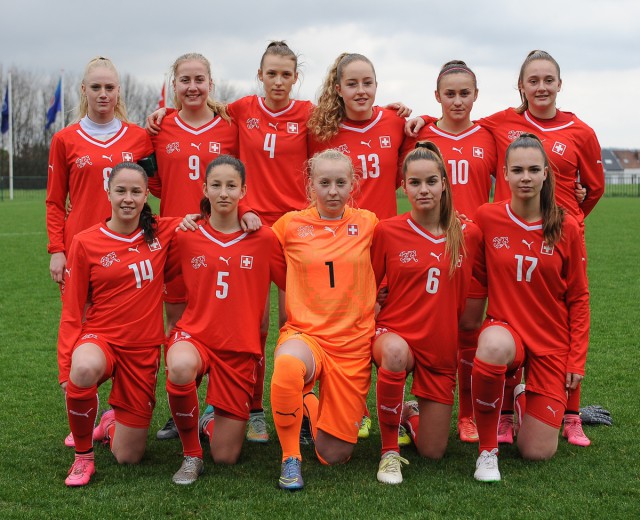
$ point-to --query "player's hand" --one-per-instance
(595, 414)
(68, 208)
(56, 266)
(189, 222)
(250, 222)
(413, 126)
(153, 121)
(573, 380)
(401, 109)
(580, 192)
(63, 386)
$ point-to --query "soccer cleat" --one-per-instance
(168, 431)
(403, 437)
(291, 475)
(100, 432)
(409, 409)
(203, 422)
(365, 426)
(191, 469)
(467, 429)
(306, 437)
(573, 431)
(257, 427)
(390, 468)
(81, 470)
(505, 429)
(69, 442)
(487, 466)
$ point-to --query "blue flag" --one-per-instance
(4, 127)
(54, 107)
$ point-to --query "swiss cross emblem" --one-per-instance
(478, 152)
(246, 262)
(559, 147)
(214, 148)
(352, 230)
(385, 141)
(292, 128)
(545, 249)
(127, 156)
(155, 245)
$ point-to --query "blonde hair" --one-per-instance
(330, 112)
(532, 56)
(330, 154)
(215, 106)
(454, 245)
(82, 109)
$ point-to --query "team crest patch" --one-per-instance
(546, 249)
(344, 149)
(385, 141)
(559, 148)
(214, 148)
(352, 230)
(253, 122)
(155, 245)
(173, 147)
(478, 152)
(408, 256)
(246, 262)
(305, 231)
(500, 242)
(512, 135)
(89, 336)
(127, 156)
(292, 128)
(108, 260)
(198, 261)
(81, 162)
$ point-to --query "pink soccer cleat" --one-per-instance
(505, 429)
(100, 432)
(81, 471)
(69, 442)
(573, 431)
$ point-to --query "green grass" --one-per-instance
(602, 480)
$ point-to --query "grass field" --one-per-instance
(600, 481)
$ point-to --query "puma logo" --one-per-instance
(292, 414)
(528, 244)
(225, 260)
(108, 157)
(491, 405)
(437, 257)
(274, 126)
(179, 414)
(393, 410)
(332, 231)
(197, 146)
(459, 150)
(366, 143)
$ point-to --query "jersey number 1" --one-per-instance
(332, 280)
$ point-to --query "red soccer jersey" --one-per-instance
(273, 148)
(572, 148)
(540, 291)
(470, 159)
(183, 154)
(227, 277)
(79, 166)
(330, 281)
(424, 302)
(121, 278)
(374, 148)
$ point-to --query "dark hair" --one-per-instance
(552, 214)
(455, 67)
(454, 246)
(148, 221)
(532, 56)
(279, 48)
(236, 164)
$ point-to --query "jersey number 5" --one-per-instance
(223, 290)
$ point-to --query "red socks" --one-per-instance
(183, 403)
(82, 408)
(390, 394)
(487, 392)
(467, 346)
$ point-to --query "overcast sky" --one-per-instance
(597, 44)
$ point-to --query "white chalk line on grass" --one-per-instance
(22, 234)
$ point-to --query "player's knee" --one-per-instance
(181, 371)
(431, 452)
(537, 452)
(226, 457)
(395, 356)
(494, 352)
(334, 456)
(127, 456)
(85, 373)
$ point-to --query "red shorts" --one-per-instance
(175, 290)
(232, 377)
(545, 378)
(134, 373)
(344, 385)
(434, 384)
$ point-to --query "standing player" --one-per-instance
(115, 271)
(469, 154)
(227, 273)
(81, 157)
(538, 314)
(329, 302)
(347, 120)
(576, 159)
(427, 256)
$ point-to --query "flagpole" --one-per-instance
(10, 139)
